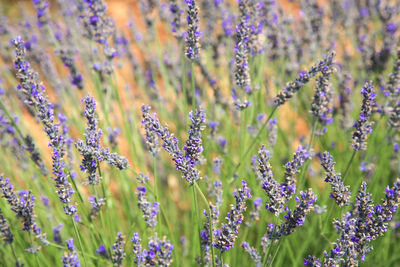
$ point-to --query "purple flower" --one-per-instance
(192, 33)
(304, 77)
(363, 125)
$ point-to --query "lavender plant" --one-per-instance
(186, 59)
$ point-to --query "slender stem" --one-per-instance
(242, 134)
(13, 252)
(36, 255)
(183, 80)
(210, 222)
(276, 252)
(302, 182)
(79, 240)
(266, 255)
(253, 142)
(155, 188)
(195, 217)
(327, 219)
(102, 183)
(193, 87)
(348, 165)
(314, 125)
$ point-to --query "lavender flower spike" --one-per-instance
(149, 209)
(5, 231)
(253, 254)
(242, 70)
(363, 125)
(42, 9)
(322, 105)
(340, 193)
(225, 237)
(118, 251)
(91, 150)
(271, 187)
(363, 224)
(288, 187)
(394, 95)
(183, 162)
(70, 258)
(33, 92)
(193, 33)
(22, 204)
(293, 218)
(304, 77)
(99, 27)
(193, 146)
(159, 252)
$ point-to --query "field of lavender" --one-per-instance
(200, 133)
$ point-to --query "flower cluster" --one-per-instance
(255, 212)
(340, 193)
(67, 57)
(96, 203)
(91, 150)
(193, 33)
(322, 105)
(215, 190)
(57, 233)
(22, 204)
(394, 94)
(176, 23)
(98, 26)
(193, 146)
(159, 252)
(363, 125)
(5, 231)
(183, 162)
(226, 235)
(288, 187)
(269, 184)
(205, 234)
(113, 136)
(304, 77)
(253, 254)
(35, 156)
(70, 258)
(363, 224)
(242, 70)
(150, 209)
(118, 251)
(32, 89)
(272, 129)
(279, 194)
(42, 9)
(293, 218)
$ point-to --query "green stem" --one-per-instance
(155, 187)
(195, 217)
(348, 165)
(276, 252)
(79, 241)
(253, 142)
(13, 253)
(210, 219)
(302, 182)
(183, 80)
(193, 87)
(36, 255)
